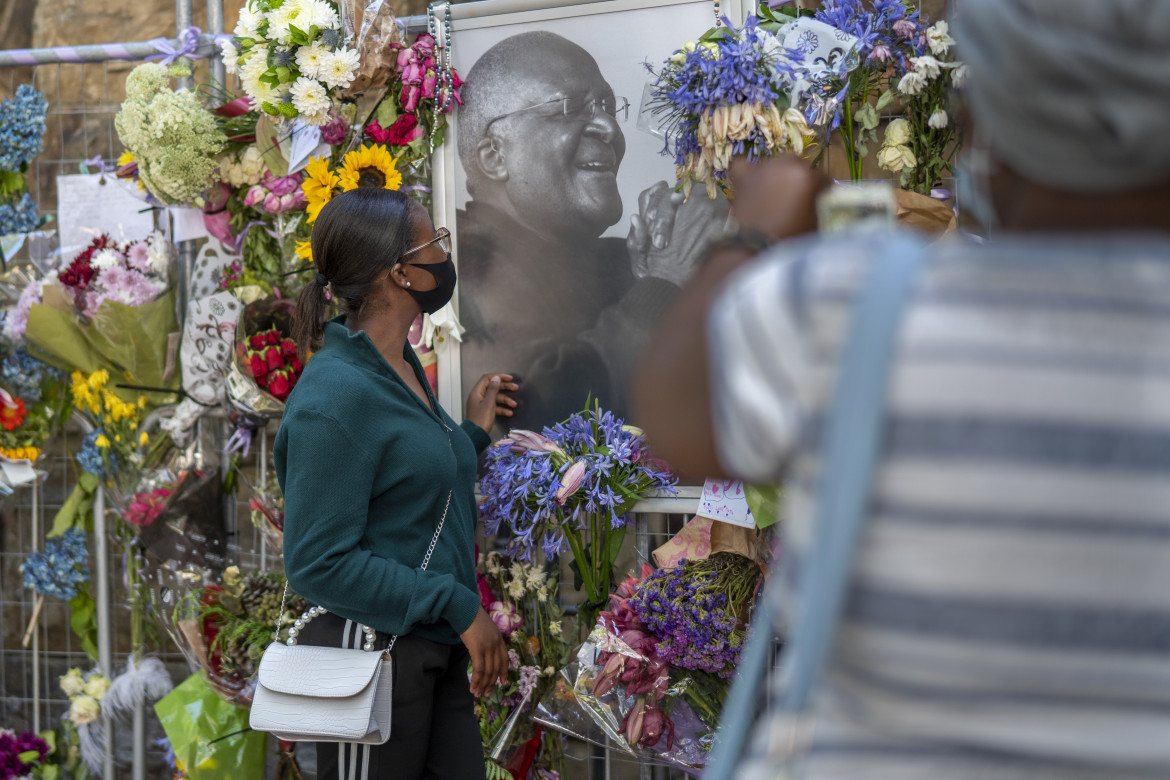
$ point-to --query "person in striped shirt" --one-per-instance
(1009, 611)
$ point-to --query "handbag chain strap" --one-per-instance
(313, 612)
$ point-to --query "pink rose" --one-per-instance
(410, 96)
(283, 185)
(256, 194)
(428, 85)
(424, 44)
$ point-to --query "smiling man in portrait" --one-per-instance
(543, 292)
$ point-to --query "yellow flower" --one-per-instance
(98, 379)
(305, 250)
(318, 186)
(143, 439)
(102, 442)
(118, 439)
(369, 166)
(125, 158)
(141, 402)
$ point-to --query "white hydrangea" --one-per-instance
(939, 39)
(310, 59)
(337, 68)
(106, 259)
(309, 97)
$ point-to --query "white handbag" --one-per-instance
(327, 694)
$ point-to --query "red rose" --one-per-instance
(288, 348)
(273, 357)
(258, 365)
(280, 386)
(256, 341)
(295, 364)
(404, 130)
(273, 336)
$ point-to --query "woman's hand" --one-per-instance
(489, 654)
(486, 400)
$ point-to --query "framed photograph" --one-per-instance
(569, 239)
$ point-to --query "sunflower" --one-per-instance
(370, 166)
(318, 186)
(305, 250)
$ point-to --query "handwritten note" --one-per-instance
(723, 500)
(91, 204)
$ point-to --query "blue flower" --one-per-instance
(20, 217)
(22, 374)
(22, 127)
(93, 460)
(60, 568)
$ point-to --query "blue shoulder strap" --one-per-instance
(851, 446)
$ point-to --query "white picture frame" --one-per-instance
(622, 35)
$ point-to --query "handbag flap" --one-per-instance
(303, 670)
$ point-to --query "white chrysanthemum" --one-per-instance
(249, 21)
(319, 119)
(229, 55)
(938, 120)
(959, 76)
(337, 68)
(293, 13)
(939, 39)
(324, 16)
(310, 59)
(928, 66)
(106, 259)
(309, 97)
(912, 83)
(159, 254)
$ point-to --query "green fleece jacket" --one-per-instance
(366, 466)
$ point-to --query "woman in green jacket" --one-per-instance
(370, 464)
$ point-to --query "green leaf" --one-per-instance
(77, 511)
(83, 621)
(51, 772)
(885, 99)
(613, 545)
(28, 756)
(764, 503)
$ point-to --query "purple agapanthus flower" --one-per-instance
(520, 486)
(884, 29)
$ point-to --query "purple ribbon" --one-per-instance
(249, 226)
(416, 188)
(99, 163)
(241, 442)
(940, 193)
(189, 44)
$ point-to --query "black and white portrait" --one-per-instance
(570, 240)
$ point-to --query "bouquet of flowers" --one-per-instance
(267, 509)
(291, 57)
(21, 755)
(174, 141)
(654, 673)
(522, 601)
(265, 367)
(727, 96)
(920, 146)
(223, 628)
(112, 309)
(22, 128)
(112, 449)
(372, 165)
(571, 486)
(35, 406)
(373, 32)
(888, 34)
(61, 571)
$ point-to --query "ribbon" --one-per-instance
(415, 188)
(241, 442)
(99, 163)
(259, 224)
(189, 44)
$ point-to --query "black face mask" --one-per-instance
(430, 301)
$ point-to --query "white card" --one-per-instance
(17, 472)
(723, 500)
(91, 204)
(188, 224)
(306, 143)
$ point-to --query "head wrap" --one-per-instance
(1073, 94)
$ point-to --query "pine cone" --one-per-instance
(256, 587)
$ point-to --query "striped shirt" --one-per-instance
(1009, 614)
